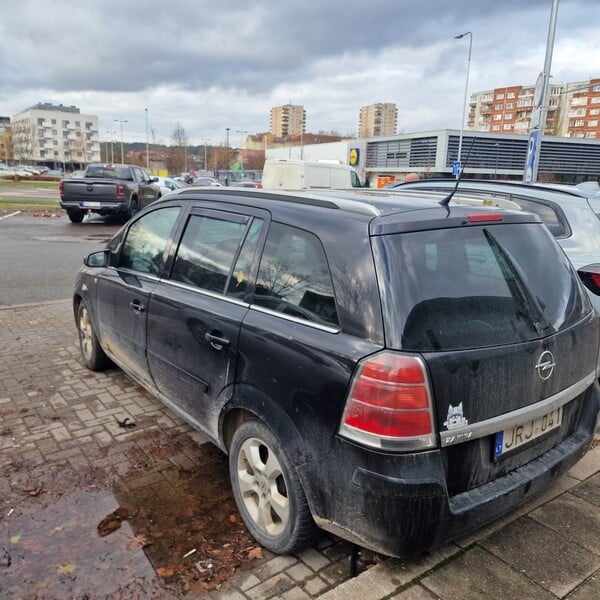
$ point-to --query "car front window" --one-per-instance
(147, 239)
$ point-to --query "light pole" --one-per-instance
(205, 140)
(121, 121)
(147, 155)
(462, 123)
(227, 130)
(241, 132)
(111, 132)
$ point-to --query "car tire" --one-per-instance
(267, 490)
(92, 354)
(134, 207)
(75, 216)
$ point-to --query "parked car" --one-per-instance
(570, 213)
(206, 181)
(391, 370)
(247, 184)
(167, 184)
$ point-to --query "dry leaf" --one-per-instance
(255, 553)
(136, 542)
(165, 571)
(66, 569)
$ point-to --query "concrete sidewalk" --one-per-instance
(60, 420)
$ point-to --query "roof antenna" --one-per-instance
(445, 201)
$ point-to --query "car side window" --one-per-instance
(239, 280)
(207, 250)
(146, 241)
(546, 212)
(294, 277)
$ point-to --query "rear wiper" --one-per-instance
(518, 288)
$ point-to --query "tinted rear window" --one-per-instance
(475, 286)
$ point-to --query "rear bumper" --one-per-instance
(399, 504)
(103, 208)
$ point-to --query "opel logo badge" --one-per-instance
(545, 365)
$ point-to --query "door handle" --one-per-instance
(217, 342)
(137, 307)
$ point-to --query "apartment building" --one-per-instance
(55, 135)
(573, 110)
(378, 119)
(286, 120)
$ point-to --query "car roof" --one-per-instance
(378, 207)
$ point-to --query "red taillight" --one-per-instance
(484, 217)
(61, 188)
(389, 397)
(120, 190)
(596, 278)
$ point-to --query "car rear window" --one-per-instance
(468, 287)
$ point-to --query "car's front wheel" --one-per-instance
(267, 490)
(93, 356)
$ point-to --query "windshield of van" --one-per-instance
(468, 287)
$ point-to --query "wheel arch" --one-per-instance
(249, 403)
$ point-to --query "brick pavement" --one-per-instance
(59, 429)
(58, 423)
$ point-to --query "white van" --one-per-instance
(281, 174)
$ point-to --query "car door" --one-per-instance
(123, 291)
(196, 314)
(148, 192)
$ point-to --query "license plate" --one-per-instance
(91, 205)
(511, 439)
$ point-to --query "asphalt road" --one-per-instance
(40, 256)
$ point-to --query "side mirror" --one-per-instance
(97, 259)
(590, 276)
(153, 178)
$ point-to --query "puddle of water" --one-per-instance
(180, 531)
(55, 551)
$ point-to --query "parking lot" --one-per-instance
(105, 493)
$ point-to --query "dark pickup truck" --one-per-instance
(108, 189)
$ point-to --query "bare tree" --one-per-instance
(25, 136)
(177, 158)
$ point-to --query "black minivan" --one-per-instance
(395, 371)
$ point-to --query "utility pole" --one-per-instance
(121, 124)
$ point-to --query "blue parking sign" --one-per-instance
(456, 167)
(532, 152)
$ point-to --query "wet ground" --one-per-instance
(168, 523)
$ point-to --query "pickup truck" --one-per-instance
(108, 189)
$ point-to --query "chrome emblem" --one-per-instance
(545, 365)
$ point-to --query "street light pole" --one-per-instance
(205, 140)
(227, 130)
(121, 121)
(241, 132)
(147, 154)
(462, 123)
(111, 132)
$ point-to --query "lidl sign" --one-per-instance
(354, 156)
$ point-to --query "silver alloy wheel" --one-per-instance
(262, 486)
(85, 333)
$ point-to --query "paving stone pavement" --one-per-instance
(58, 418)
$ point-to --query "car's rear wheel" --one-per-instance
(75, 216)
(134, 207)
(93, 356)
(267, 490)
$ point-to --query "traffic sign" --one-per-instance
(532, 152)
(456, 167)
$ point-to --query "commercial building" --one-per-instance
(573, 110)
(286, 120)
(55, 135)
(433, 153)
(378, 119)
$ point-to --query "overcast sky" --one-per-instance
(210, 65)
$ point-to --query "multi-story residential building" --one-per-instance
(289, 119)
(55, 134)
(573, 110)
(5, 141)
(378, 119)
